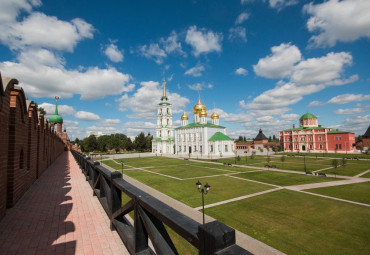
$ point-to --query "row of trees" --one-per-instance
(116, 142)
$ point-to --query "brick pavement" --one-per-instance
(59, 215)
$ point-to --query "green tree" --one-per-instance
(140, 142)
(148, 142)
(282, 159)
(90, 143)
(240, 138)
(42, 111)
(244, 139)
(335, 164)
(344, 162)
(253, 154)
(270, 138)
(273, 137)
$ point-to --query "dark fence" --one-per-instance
(150, 217)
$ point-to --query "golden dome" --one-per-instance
(215, 116)
(199, 107)
(184, 116)
(203, 113)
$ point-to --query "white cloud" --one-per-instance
(241, 71)
(113, 53)
(171, 44)
(315, 103)
(348, 98)
(305, 77)
(63, 110)
(87, 116)
(334, 21)
(40, 30)
(153, 51)
(357, 124)
(200, 86)
(34, 57)
(203, 41)
(90, 84)
(109, 122)
(241, 18)
(143, 103)
(280, 4)
(280, 63)
(290, 116)
(195, 71)
(350, 111)
(10, 9)
(237, 34)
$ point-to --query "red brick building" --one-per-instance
(312, 137)
(366, 139)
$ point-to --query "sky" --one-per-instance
(257, 63)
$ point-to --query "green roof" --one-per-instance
(337, 132)
(166, 103)
(56, 117)
(308, 116)
(303, 128)
(218, 136)
(168, 139)
(194, 125)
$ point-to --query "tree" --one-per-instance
(334, 163)
(90, 143)
(270, 138)
(344, 162)
(282, 159)
(148, 142)
(253, 154)
(42, 111)
(273, 137)
(244, 139)
(139, 142)
(240, 138)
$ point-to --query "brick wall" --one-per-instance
(27, 143)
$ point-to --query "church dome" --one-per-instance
(308, 116)
(184, 116)
(56, 119)
(215, 115)
(199, 107)
(203, 113)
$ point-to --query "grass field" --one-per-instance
(359, 192)
(290, 221)
(352, 168)
(297, 223)
(283, 179)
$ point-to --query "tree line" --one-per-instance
(116, 142)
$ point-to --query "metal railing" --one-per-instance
(151, 216)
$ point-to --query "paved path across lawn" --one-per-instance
(59, 215)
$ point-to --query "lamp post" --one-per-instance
(246, 156)
(204, 191)
(304, 159)
(122, 163)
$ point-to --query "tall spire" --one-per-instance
(56, 105)
(164, 97)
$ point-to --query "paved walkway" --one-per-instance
(59, 215)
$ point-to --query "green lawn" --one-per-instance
(352, 168)
(298, 223)
(366, 175)
(283, 179)
(329, 155)
(358, 192)
(186, 191)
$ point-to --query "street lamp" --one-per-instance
(122, 166)
(204, 191)
(304, 159)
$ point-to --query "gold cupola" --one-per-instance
(215, 115)
(203, 113)
(184, 116)
(199, 107)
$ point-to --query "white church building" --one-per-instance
(201, 137)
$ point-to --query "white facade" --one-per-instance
(164, 140)
(202, 138)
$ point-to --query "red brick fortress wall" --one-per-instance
(27, 143)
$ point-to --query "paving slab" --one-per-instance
(59, 215)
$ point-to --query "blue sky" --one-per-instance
(259, 63)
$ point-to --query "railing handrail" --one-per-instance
(150, 216)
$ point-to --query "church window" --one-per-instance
(290, 146)
(211, 149)
(340, 146)
(336, 146)
(201, 148)
(168, 132)
(320, 138)
(296, 139)
(226, 148)
(320, 146)
(168, 111)
(195, 148)
(305, 122)
(310, 122)
(310, 146)
(184, 148)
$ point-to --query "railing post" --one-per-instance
(140, 234)
(93, 176)
(116, 197)
(215, 236)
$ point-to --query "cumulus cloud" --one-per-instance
(109, 122)
(113, 53)
(40, 30)
(315, 103)
(305, 77)
(280, 4)
(87, 116)
(153, 51)
(195, 71)
(63, 110)
(350, 111)
(203, 41)
(237, 34)
(172, 45)
(357, 124)
(143, 103)
(241, 71)
(280, 63)
(348, 98)
(241, 18)
(334, 21)
(200, 86)
(10, 9)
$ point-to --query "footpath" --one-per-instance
(59, 215)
